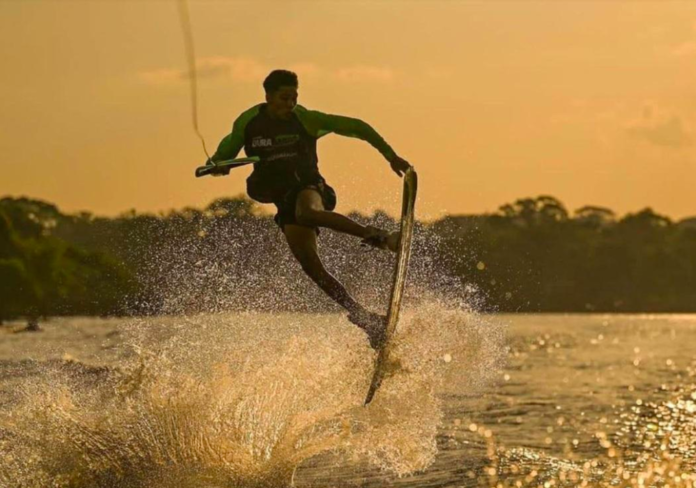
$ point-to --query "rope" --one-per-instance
(185, 19)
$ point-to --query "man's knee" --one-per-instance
(309, 207)
(306, 215)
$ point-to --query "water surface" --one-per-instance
(276, 400)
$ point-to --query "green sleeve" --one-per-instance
(231, 144)
(319, 124)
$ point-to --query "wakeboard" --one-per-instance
(399, 283)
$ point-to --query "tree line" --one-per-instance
(532, 255)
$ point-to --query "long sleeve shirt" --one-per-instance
(288, 148)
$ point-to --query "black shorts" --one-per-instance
(288, 204)
(285, 199)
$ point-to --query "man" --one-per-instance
(284, 136)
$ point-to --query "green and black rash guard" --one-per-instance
(288, 148)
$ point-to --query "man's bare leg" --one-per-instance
(303, 244)
(310, 212)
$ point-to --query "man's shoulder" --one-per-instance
(308, 116)
(246, 116)
(303, 111)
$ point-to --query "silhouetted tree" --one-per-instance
(531, 255)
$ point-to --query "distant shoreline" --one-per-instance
(531, 256)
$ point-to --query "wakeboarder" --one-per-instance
(283, 136)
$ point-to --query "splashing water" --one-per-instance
(242, 400)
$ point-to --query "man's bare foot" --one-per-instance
(382, 239)
(374, 325)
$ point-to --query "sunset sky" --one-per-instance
(593, 102)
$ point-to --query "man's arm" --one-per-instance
(231, 144)
(319, 124)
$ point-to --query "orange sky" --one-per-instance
(593, 102)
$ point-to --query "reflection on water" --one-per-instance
(654, 446)
(611, 404)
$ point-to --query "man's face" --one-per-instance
(282, 101)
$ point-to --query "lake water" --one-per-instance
(264, 400)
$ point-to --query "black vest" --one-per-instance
(288, 153)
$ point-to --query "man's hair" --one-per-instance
(278, 78)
